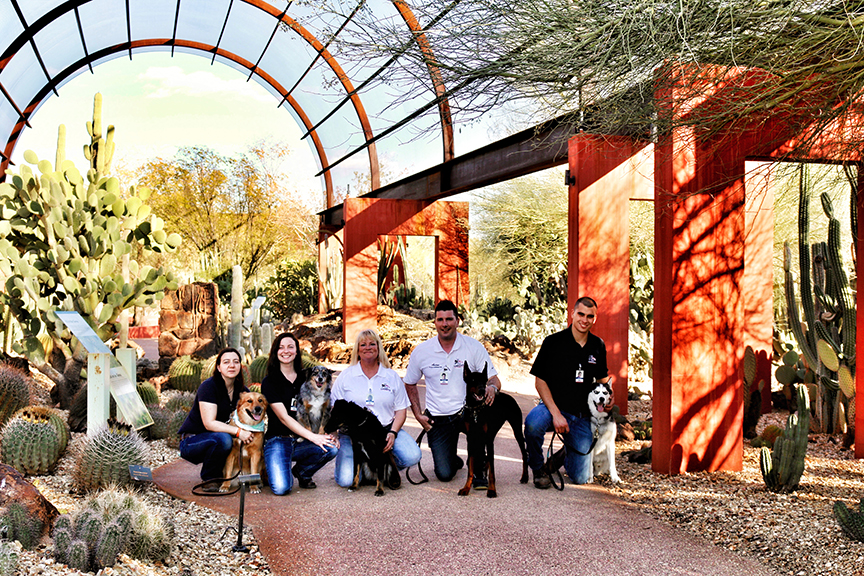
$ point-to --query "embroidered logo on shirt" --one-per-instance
(458, 363)
(385, 387)
(592, 359)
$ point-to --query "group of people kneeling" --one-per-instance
(290, 449)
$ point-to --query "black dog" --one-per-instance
(483, 422)
(368, 439)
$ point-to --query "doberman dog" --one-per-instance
(482, 423)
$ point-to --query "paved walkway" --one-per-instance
(429, 530)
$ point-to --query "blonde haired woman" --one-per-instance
(370, 382)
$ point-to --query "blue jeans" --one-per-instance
(539, 421)
(442, 439)
(406, 452)
(279, 451)
(210, 449)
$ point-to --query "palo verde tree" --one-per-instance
(600, 63)
(64, 237)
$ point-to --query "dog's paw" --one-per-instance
(464, 491)
(379, 492)
(614, 478)
(491, 494)
(254, 489)
(226, 486)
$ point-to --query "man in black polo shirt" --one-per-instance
(568, 364)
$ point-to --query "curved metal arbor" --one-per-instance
(279, 44)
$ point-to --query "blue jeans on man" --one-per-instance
(210, 449)
(280, 451)
(406, 453)
(539, 421)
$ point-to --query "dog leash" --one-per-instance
(554, 460)
(419, 467)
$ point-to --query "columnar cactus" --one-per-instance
(827, 335)
(782, 468)
(851, 521)
(106, 455)
(14, 391)
(62, 234)
(31, 443)
(109, 523)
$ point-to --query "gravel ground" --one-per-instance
(794, 534)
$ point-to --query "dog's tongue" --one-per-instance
(257, 417)
(601, 407)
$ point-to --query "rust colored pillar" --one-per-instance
(757, 283)
(698, 305)
(598, 251)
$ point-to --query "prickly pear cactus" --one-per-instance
(106, 455)
(783, 467)
(14, 391)
(31, 444)
(185, 374)
(62, 234)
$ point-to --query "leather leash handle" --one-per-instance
(419, 467)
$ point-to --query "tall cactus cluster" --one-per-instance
(783, 467)
(62, 235)
(826, 337)
(105, 457)
(108, 524)
(14, 391)
(34, 439)
(850, 520)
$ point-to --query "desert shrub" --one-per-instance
(292, 289)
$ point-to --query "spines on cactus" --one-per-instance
(14, 391)
(106, 456)
(851, 521)
(31, 443)
(55, 417)
(258, 369)
(783, 467)
(22, 526)
(8, 558)
(148, 393)
(185, 374)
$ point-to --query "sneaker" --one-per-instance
(542, 480)
(306, 483)
(480, 482)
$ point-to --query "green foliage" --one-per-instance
(641, 313)
(33, 440)
(14, 391)
(527, 329)
(851, 521)
(106, 456)
(783, 466)
(752, 398)
(293, 289)
(22, 526)
(63, 236)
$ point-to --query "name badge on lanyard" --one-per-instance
(580, 375)
(370, 400)
(445, 376)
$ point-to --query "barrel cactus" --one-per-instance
(185, 374)
(55, 417)
(105, 457)
(161, 426)
(31, 444)
(110, 523)
(783, 467)
(14, 391)
(258, 369)
(181, 401)
(177, 419)
(148, 393)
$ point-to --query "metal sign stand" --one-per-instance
(245, 481)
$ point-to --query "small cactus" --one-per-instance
(55, 417)
(110, 545)
(181, 401)
(22, 526)
(177, 419)
(148, 393)
(770, 434)
(258, 369)
(851, 521)
(62, 539)
(8, 558)
(78, 555)
(14, 391)
(161, 427)
(782, 468)
(105, 457)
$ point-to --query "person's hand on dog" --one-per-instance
(324, 440)
(391, 439)
(245, 436)
(491, 393)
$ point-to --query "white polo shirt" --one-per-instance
(385, 387)
(445, 388)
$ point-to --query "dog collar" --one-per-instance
(260, 427)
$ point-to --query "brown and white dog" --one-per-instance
(251, 414)
(313, 399)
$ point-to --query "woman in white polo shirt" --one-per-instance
(370, 382)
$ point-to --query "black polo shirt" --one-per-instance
(212, 392)
(278, 389)
(559, 358)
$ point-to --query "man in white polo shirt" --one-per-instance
(440, 362)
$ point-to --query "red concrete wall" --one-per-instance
(598, 251)
(368, 218)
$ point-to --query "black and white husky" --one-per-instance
(603, 427)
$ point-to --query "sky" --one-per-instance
(158, 104)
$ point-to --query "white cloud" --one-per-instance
(168, 81)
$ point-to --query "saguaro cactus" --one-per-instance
(62, 235)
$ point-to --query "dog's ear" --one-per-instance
(485, 372)
(466, 372)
